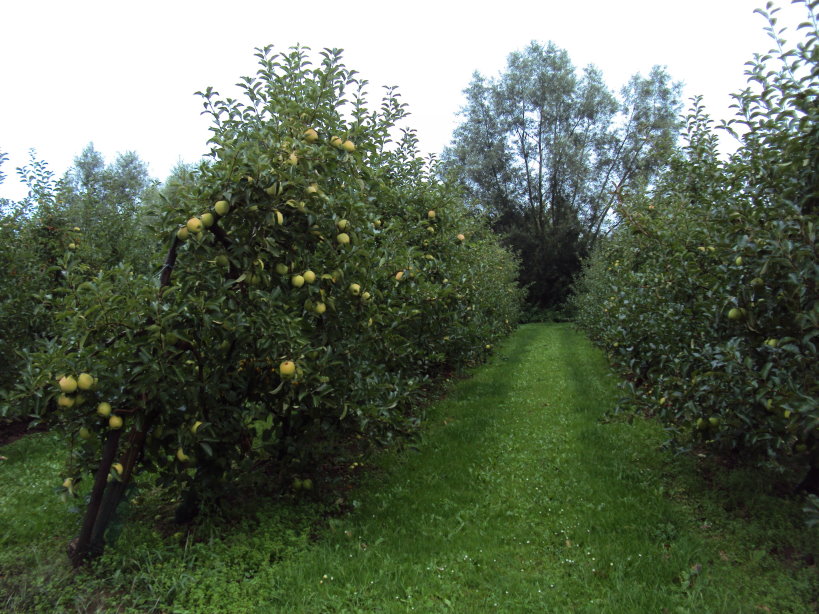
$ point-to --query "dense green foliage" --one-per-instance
(317, 274)
(92, 213)
(518, 494)
(543, 150)
(706, 295)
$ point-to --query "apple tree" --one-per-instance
(317, 271)
(706, 295)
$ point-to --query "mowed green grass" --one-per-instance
(517, 497)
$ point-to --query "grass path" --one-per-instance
(518, 498)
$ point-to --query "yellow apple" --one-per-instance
(342, 224)
(85, 433)
(287, 368)
(182, 234)
(207, 219)
(348, 146)
(309, 276)
(115, 422)
(343, 238)
(297, 281)
(104, 409)
(281, 268)
(320, 308)
(181, 456)
(336, 141)
(399, 275)
(460, 238)
(310, 135)
(431, 214)
(196, 426)
(68, 384)
(312, 188)
(355, 289)
(221, 207)
(65, 401)
(194, 225)
(85, 381)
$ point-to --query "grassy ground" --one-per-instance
(517, 498)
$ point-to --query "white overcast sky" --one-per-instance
(122, 74)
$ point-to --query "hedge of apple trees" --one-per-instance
(33, 239)
(706, 293)
(316, 273)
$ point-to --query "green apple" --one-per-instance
(221, 207)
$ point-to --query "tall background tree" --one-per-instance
(545, 151)
(106, 202)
